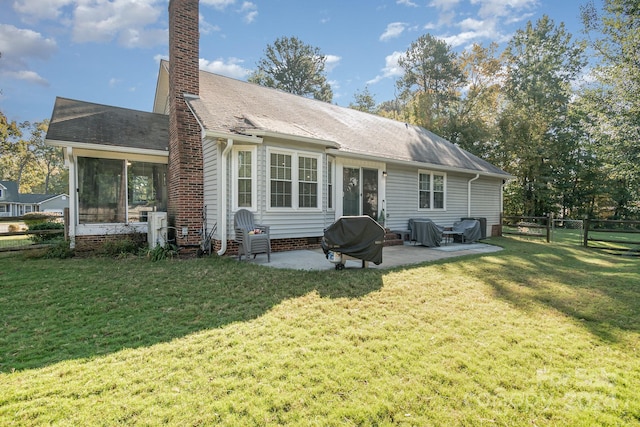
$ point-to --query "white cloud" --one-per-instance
(501, 8)
(218, 4)
(25, 75)
(41, 9)
(472, 24)
(19, 47)
(395, 29)
(205, 27)
(391, 68)
(406, 3)
(122, 20)
(230, 68)
(446, 5)
(250, 10)
(331, 62)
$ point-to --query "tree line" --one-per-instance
(559, 113)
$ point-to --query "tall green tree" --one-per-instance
(614, 100)
(295, 67)
(474, 125)
(542, 62)
(431, 82)
(364, 101)
(26, 159)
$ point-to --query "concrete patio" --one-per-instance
(392, 256)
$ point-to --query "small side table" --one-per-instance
(447, 236)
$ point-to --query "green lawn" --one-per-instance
(537, 334)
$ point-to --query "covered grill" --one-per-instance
(355, 237)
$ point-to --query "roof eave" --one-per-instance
(214, 134)
(102, 147)
(415, 163)
(308, 140)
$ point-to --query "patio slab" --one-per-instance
(392, 256)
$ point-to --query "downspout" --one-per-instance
(223, 197)
(469, 194)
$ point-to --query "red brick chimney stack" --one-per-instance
(185, 186)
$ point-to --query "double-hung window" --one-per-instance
(245, 163)
(431, 189)
(294, 179)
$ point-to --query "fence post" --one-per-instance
(587, 224)
(549, 216)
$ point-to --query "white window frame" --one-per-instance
(295, 156)
(254, 176)
(433, 174)
(331, 183)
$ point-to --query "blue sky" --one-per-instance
(108, 51)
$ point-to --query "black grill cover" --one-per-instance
(360, 237)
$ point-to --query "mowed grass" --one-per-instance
(537, 334)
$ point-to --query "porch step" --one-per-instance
(392, 239)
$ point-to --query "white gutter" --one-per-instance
(422, 165)
(469, 193)
(110, 148)
(223, 197)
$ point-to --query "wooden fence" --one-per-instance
(530, 226)
(620, 237)
(16, 236)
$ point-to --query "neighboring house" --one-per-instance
(214, 145)
(12, 203)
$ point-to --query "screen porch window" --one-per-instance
(431, 189)
(119, 191)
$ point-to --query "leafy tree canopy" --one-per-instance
(294, 67)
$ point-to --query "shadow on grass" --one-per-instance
(51, 311)
(600, 291)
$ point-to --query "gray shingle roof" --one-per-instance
(12, 194)
(85, 122)
(229, 105)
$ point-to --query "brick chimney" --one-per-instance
(185, 178)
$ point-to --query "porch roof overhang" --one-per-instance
(107, 148)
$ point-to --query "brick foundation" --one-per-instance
(277, 245)
(95, 243)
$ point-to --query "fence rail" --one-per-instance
(620, 237)
(15, 234)
(531, 226)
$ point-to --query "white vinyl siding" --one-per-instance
(211, 177)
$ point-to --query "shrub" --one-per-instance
(119, 248)
(162, 252)
(45, 236)
(60, 250)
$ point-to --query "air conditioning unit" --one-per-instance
(156, 229)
